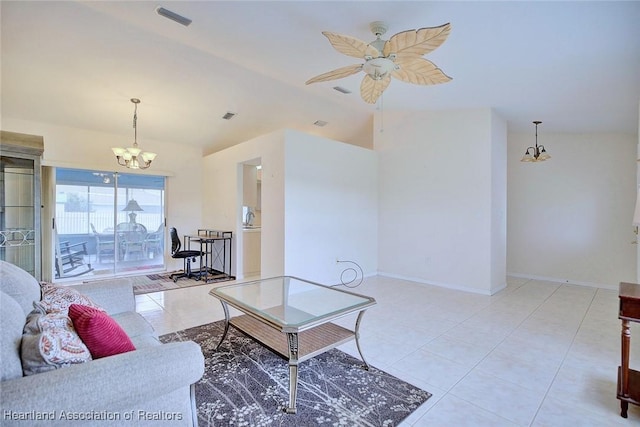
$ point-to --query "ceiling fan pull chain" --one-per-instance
(382, 112)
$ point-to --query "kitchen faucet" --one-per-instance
(249, 218)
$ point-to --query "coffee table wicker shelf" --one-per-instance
(310, 342)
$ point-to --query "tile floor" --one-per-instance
(536, 354)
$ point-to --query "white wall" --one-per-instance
(569, 218)
(84, 149)
(638, 186)
(330, 208)
(498, 202)
(222, 197)
(442, 198)
(318, 203)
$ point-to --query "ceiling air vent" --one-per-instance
(173, 16)
(229, 115)
(341, 89)
(320, 123)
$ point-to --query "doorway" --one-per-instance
(251, 217)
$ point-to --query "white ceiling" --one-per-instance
(573, 65)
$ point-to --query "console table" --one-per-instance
(628, 379)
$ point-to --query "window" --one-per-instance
(108, 223)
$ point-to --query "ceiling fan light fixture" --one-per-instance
(400, 57)
(379, 68)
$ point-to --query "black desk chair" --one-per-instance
(187, 256)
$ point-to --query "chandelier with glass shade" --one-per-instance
(134, 157)
(537, 153)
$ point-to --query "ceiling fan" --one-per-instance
(399, 57)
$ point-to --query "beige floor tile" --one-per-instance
(453, 411)
(554, 413)
(503, 398)
(537, 353)
(457, 350)
(532, 374)
(592, 388)
(433, 369)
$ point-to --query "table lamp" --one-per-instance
(132, 207)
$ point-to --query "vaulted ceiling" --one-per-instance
(573, 65)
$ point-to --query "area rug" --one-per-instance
(245, 384)
(144, 284)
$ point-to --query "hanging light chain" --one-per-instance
(135, 101)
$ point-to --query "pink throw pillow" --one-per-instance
(99, 332)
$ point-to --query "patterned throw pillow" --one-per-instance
(57, 299)
(101, 334)
(50, 342)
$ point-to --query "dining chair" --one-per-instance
(154, 242)
(105, 244)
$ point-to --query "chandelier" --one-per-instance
(134, 157)
(537, 153)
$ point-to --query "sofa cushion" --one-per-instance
(100, 333)
(19, 285)
(144, 341)
(57, 299)
(11, 324)
(50, 342)
(133, 324)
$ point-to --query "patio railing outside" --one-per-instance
(80, 222)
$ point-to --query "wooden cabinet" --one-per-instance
(628, 379)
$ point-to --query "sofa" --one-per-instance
(149, 385)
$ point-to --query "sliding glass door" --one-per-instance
(108, 223)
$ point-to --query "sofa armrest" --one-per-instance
(114, 383)
(115, 296)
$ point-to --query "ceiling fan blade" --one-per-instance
(336, 74)
(419, 71)
(351, 46)
(417, 42)
(371, 89)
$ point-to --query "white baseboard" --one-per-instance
(564, 281)
(443, 285)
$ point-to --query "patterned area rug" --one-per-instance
(162, 282)
(245, 384)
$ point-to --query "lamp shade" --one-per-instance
(636, 214)
(527, 157)
(132, 206)
(148, 157)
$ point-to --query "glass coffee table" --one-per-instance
(292, 317)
